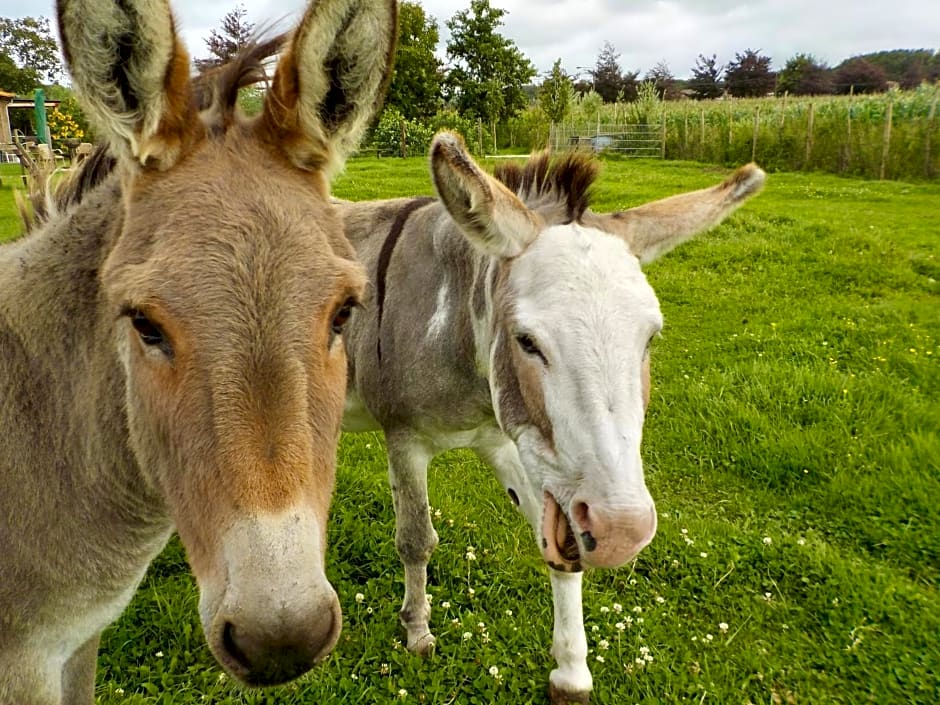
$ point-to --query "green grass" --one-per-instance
(791, 445)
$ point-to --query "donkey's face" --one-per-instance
(571, 318)
(230, 286)
(571, 383)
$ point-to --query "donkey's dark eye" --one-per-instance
(529, 347)
(149, 332)
(341, 317)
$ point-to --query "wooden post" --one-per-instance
(494, 135)
(662, 119)
(701, 154)
(480, 134)
(931, 118)
(886, 139)
(730, 123)
(404, 139)
(809, 134)
(685, 132)
(848, 134)
(783, 111)
(756, 131)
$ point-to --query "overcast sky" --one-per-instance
(644, 33)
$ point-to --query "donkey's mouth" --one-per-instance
(559, 546)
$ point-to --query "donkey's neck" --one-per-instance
(65, 448)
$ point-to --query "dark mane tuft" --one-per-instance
(216, 88)
(544, 182)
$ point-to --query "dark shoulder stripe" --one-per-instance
(385, 258)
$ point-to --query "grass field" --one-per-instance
(792, 448)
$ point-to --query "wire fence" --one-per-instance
(639, 140)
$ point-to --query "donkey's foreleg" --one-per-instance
(571, 681)
(78, 678)
(415, 537)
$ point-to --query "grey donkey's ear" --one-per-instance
(490, 216)
(331, 80)
(654, 228)
(132, 73)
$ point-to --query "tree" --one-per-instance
(859, 75)
(804, 75)
(608, 79)
(488, 71)
(415, 89)
(663, 80)
(556, 93)
(224, 45)
(29, 56)
(706, 78)
(749, 75)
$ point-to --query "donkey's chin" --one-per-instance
(560, 548)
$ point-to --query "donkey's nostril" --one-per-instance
(579, 512)
(231, 646)
(513, 496)
(590, 543)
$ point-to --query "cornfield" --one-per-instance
(888, 136)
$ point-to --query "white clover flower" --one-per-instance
(620, 626)
(768, 596)
(723, 626)
(159, 654)
(467, 636)
(455, 622)
(628, 620)
(429, 597)
(396, 643)
(599, 658)
(471, 592)
(494, 671)
(689, 542)
(683, 531)
(222, 677)
(708, 637)
(595, 628)
(644, 650)
(360, 597)
(486, 637)
(605, 609)
(637, 609)
(368, 610)
(768, 540)
(437, 513)
(384, 669)
(639, 620)
(354, 676)
(633, 581)
(618, 608)
(675, 563)
(660, 599)
(509, 613)
(368, 446)
(801, 542)
(481, 626)
(603, 644)
(402, 693)
(470, 556)
(703, 554)
(119, 691)
(445, 605)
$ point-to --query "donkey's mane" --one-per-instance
(215, 96)
(560, 187)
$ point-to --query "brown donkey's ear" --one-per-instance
(331, 80)
(133, 75)
(655, 228)
(489, 215)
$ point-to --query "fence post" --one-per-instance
(809, 134)
(662, 119)
(730, 124)
(701, 154)
(848, 133)
(685, 132)
(404, 139)
(931, 117)
(756, 131)
(886, 139)
(480, 135)
(783, 112)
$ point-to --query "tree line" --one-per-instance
(487, 79)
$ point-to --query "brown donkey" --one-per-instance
(170, 351)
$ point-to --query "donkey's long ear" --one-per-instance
(331, 80)
(132, 72)
(490, 215)
(655, 228)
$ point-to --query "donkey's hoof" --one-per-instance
(423, 645)
(557, 696)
